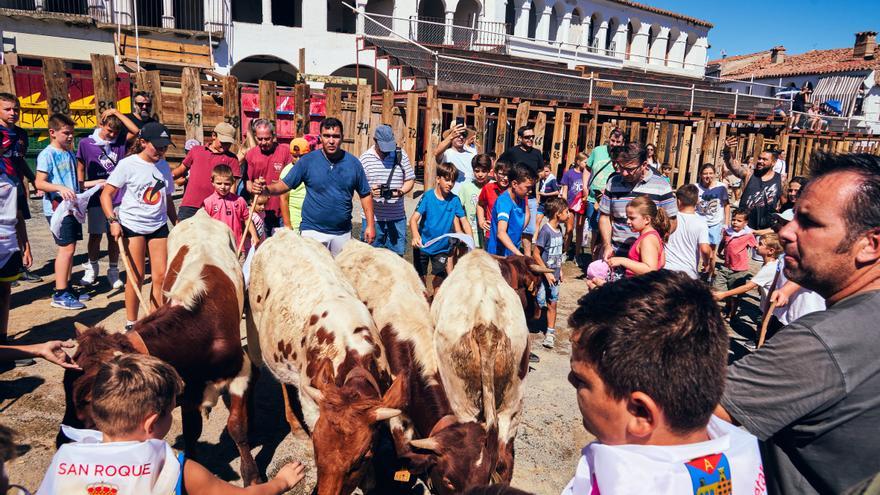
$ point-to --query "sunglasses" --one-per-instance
(528, 136)
(142, 103)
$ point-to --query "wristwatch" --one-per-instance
(112, 220)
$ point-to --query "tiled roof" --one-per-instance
(812, 62)
(641, 6)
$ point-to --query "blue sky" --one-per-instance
(747, 26)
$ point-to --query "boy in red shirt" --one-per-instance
(226, 206)
(736, 242)
(489, 194)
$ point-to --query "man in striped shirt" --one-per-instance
(379, 163)
(633, 178)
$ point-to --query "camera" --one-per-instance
(386, 192)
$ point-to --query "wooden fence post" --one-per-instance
(522, 115)
(232, 105)
(191, 93)
(480, 127)
(590, 142)
(683, 155)
(149, 82)
(540, 130)
(573, 133)
(661, 142)
(333, 102)
(7, 79)
(301, 109)
(433, 135)
(696, 151)
(556, 146)
(387, 106)
(104, 82)
(459, 110)
(363, 115)
(412, 124)
(55, 78)
(501, 128)
(268, 103)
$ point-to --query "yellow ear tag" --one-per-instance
(402, 476)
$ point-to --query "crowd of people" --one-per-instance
(649, 346)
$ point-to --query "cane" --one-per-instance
(247, 227)
(128, 268)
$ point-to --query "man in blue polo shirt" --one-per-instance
(331, 176)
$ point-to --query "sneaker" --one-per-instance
(27, 276)
(113, 278)
(90, 273)
(533, 358)
(80, 296)
(549, 340)
(66, 300)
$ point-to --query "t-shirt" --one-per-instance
(230, 209)
(573, 180)
(683, 246)
(469, 195)
(779, 166)
(267, 166)
(60, 168)
(138, 122)
(295, 199)
(760, 198)
(549, 241)
(377, 170)
(330, 184)
(736, 248)
(548, 186)
(812, 393)
(764, 280)
(532, 158)
(201, 162)
(8, 142)
(462, 161)
(600, 167)
(729, 462)
(619, 193)
(8, 218)
(514, 213)
(99, 158)
(19, 151)
(488, 195)
(146, 189)
(712, 201)
(801, 303)
(438, 216)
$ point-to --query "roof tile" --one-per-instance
(812, 62)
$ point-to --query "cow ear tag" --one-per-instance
(403, 476)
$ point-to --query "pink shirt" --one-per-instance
(201, 162)
(230, 209)
(736, 250)
(635, 253)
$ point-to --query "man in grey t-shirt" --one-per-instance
(812, 394)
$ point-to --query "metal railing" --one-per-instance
(833, 123)
(481, 35)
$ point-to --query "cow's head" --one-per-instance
(463, 455)
(525, 277)
(96, 346)
(349, 419)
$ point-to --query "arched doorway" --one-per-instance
(374, 78)
(466, 14)
(252, 69)
(632, 28)
(431, 29)
(653, 33)
(555, 21)
(510, 16)
(593, 37)
(533, 19)
(672, 39)
(610, 37)
(382, 10)
(576, 28)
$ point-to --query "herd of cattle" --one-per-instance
(356, 346)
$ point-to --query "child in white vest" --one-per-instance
(131, 405)
(649, 356)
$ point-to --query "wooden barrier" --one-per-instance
(55, 79)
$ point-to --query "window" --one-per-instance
(247, 11)
(340, 19)
(288, 13)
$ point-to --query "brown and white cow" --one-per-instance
(480, 330)
(196, 330)
(307, 325)
(394, 294)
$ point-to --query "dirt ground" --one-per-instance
(32, 398)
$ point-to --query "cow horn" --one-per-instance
(536, 268)
(383, 413)
(79, 328)
(426, 444)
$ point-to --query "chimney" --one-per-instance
(866, 43)
(777, 54)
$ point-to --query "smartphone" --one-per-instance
(459, 121)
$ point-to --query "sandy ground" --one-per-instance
(32, 398)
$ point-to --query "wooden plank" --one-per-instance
(104, 81)
(759, 144)
(167, 46)
(696, 151)
(149, 82)
(793, 156)
(573, 133)
(808, 153)
(719, 147)
(501, 128)
(709, 141)
(55, 79)
(591, 127)
(459, 110)
(683, 155)
(635, 132)
(191, 92)
(387, 106)
(661, 142)
(300, 108)
(411, 133)
(7, 79)
(606, 132)
(652, 136)
(480, 127)
(363, 114)
(674, 145)
(433, 135)
(232, 105)
(750, 146)
(333, 102)
(522, 115)
(540, 129)
(268, 104)
(556, 146)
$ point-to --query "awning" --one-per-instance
(842, 88)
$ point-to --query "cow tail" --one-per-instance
(486, 351)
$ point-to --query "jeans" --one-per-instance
(390, 234)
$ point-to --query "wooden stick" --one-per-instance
(764, 323)
(247, 227)
(128, 268)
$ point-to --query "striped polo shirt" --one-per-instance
(377, 170)
(618, 194)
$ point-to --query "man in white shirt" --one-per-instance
(779, 167)
(689, 244)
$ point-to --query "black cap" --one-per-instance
(156, 134)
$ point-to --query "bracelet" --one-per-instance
(112, 220)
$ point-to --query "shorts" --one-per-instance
(545, 289)
(185, 212)
(11, 270)
(533, 214)
(71, 231)
(727, 279)
(540, 208)
(333, 242)
(160, 233)
(715, 234)
(438, 263)
(97, 222)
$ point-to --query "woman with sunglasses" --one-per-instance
(792, 193)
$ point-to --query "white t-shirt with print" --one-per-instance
(146, 188)
(462, 161)
(801, 303)
(764, 280)
(683, 248)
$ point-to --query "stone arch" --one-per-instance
(610, 34)
(593, 35)
(433, 13)
(688, 47)
(375, 78)
(510, 16)
(466, 14)
(267, 67)
(672, 39)
(556, 15)
(632, 29)
(533, 19)
(576, 27)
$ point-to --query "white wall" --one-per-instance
(31, 37)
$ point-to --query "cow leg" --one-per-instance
(291, 405)
(237, 426)
(192, 426)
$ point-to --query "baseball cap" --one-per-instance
(225, 132)
(787, 215)
(190, 144)
(300, 146)
(156, 134)
(385, 138)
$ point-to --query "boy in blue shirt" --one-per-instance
(439, 212)
(510, 214)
